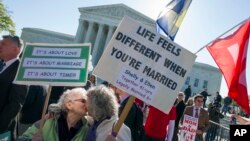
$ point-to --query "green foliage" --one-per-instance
(6, 23)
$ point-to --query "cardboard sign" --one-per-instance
(189, 128)
(54, 64)
(145, 64)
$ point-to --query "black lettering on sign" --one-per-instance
(169, 46)
(146, 33)
(138, 47)
(118, 54)
(174, 67)
(157, 76)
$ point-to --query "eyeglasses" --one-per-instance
(80, 100)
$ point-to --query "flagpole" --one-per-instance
(221, 35)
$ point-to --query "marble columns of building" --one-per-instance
(110, 33)
(98, 32)
(97, 45)
(89, 31)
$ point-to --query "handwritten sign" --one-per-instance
(188, 129)
(145, 64)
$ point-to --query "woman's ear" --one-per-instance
(68, 106)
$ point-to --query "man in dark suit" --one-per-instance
(200, 113)
(12, 96)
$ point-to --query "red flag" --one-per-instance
(230, 54)
(157, 122)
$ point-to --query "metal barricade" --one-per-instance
(217, 132)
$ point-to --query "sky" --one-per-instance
(204, 21)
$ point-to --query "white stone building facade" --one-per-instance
(203, 76)
(97, 25)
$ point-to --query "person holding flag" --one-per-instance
(241, 120)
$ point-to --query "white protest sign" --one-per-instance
(189, 128)
(145, 64)
(54, 64)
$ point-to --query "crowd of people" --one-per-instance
(91, 112)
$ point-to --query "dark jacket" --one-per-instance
(12, 98)
(227, 100)
(134, 120)
(205, 94)
(187, 92)
(214, 113)
(33, 106)
(218, 98)
(56, 92)
(180, 107)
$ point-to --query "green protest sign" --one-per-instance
(54, 64)
(5, 136)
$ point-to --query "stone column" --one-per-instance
(89, 31)
(110, 33)
(80, 32)
(97, 44)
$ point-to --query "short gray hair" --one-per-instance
(181, 93)
(69, 95)
(102, 102)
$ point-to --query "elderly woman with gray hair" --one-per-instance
(103, 107)
(70, 123)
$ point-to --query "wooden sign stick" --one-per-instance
(45, 108)
(123, 116)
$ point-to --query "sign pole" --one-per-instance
(45, 108)
(123, 116)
